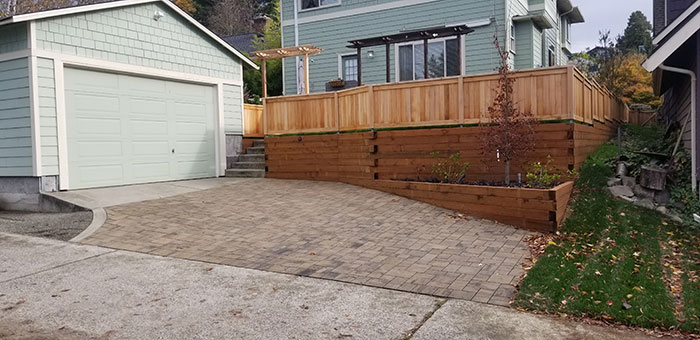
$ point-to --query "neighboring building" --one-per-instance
(246, 42)
(116, 93)
(674, 62)
(537, 31)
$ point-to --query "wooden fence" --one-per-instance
(559, 93)
(253, 121)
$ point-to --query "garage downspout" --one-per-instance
(693, 111)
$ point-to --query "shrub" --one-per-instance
(451, 169)
(544, 175)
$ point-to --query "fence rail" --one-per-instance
(253, 121)
(559, 93)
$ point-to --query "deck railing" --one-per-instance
(559, 93)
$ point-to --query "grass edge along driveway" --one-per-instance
(611, 261)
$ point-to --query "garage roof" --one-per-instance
(123, 3)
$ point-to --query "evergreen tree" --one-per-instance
(637, 35)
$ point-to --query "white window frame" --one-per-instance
(512, 38)
(301, 9)
(397, 61)
(340, 63)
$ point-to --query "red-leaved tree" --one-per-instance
(508, 132)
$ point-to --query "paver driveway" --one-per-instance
(327, 230)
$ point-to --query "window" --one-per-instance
(443, 59)
(348, 67)
(309, 4)
(512, 38)
(551, 56)
(568, 31)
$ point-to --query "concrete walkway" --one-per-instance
(112, 196)
(58, 290)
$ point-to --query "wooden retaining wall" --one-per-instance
(406, 154)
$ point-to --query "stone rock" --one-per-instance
(641, 192)
(662, 209)
(614, 181)
(674, 217)
(662, 197)
(626, 306)
(621, 190)
(627, 199)
(645, 202)
(628, 181)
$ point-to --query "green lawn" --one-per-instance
(608, 261)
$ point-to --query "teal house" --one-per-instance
(536, 32)
(117, 93)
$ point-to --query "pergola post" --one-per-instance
(263, 62)
(459, 54)
(388, 64)
(359, 66)
(306, 73)
(425, 58)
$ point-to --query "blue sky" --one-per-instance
(604, 15)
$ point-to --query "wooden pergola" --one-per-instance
(286, 52)
(422, 34)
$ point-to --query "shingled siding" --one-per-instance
(129, 35)
(15, 119)
(13, 38)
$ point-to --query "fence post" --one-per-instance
(460, 99)
(570, 92)
(370, 108)
(336, 103)
(264, 116)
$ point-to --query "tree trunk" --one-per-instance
(507, 172)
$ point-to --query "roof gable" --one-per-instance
(124, 3)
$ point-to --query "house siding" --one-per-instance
(13, 38)
(232, 109)
(676, 7)
(15, 119)
(47, 117)
(330, 28)
(333, 35)
(129, 35)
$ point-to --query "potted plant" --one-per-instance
(336, 83)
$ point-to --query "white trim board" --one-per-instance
(134, 70)
(355, 11)
(220, 132)
(124, 3)
(667, 30)
(34, 103)
(674, 42)
(62, 132)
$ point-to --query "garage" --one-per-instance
(125, 129)
(114, 93)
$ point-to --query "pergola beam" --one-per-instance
(286, 52)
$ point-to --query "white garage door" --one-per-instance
(126, 130)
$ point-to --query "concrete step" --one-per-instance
(258, 142)
(255, 150)
(247, 173)
(251, 158)
(248, 165)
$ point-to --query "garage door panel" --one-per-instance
(151, 170)
(150, 148)
(97, 81)
(148, 128)
(101, 149)
(101, 174)
(86, 103)
(98, 126)
(143, 130)
(148, 106)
